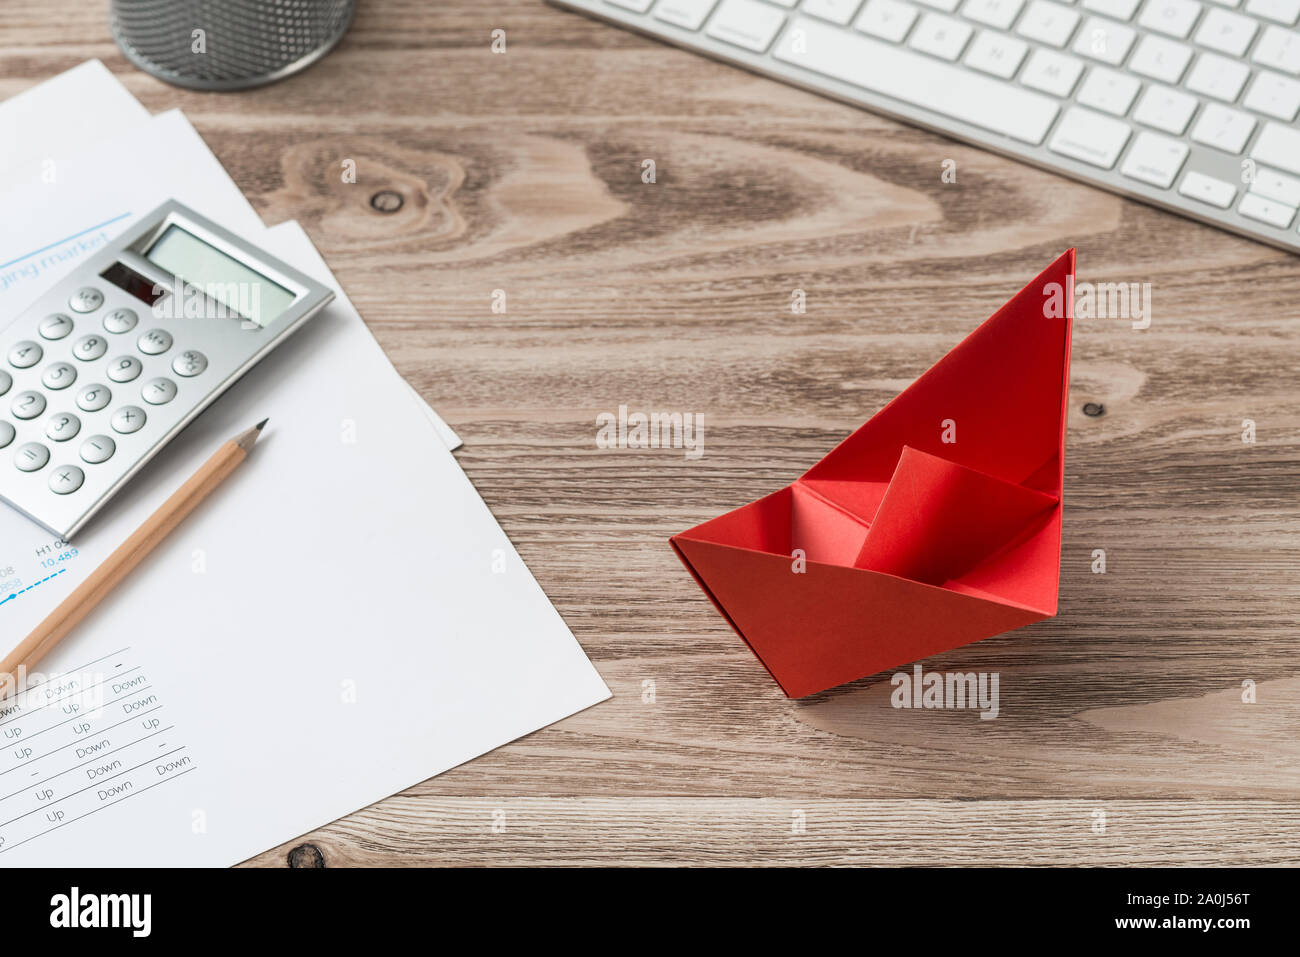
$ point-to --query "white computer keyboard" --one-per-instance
(1189, 106)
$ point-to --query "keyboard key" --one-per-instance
(1279, 49)
(746, 23)
(636, 6)
(1256, 207)
(90, 348)
(31, 457)
(189, 364)
(1089, 137)
(1048, 23)
(97, 449)
(27, 405)
(124, 368)
(996, 54)
(1282, 11)
(25, 354)
(947, 6)
(1171, 17)
(66, 480)
(1160, 59)
(1274, 95)
(1109, 91)
(7, 433)
(1276, 186)
(58, 376)
(6, 381)
(1207, 189)
(120, 320)
(940, 36)
(62, 427)
(1119, 9)
(1155, 159)
(159, 391)
(836, 11)
(1278, 146)
(1165, 109)
(1104, 40)
(127, 420)
(887, 19)
(999, 14)
(951, 91)
(1218, 77)
(943, 37)
(56, 326)
(1052, 72)
(93, 398)
(86, 299)
(154, 342)
(1224, 129)
(691, 13)
(1226, 32)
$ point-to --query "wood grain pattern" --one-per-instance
(680, 831)
(521, 172)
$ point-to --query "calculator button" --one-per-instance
(6, 434)
(159, 391)
(155, 342)
(93, 398)
(125, 369)
(90, 348)
(31, 457)
(6, 381)
(56, 326)
(86, 299)
(128, 419)
(58, 376)
(120, 320)
(66, 480)
(28, 405)
(25, 354)
(189, 364)
(62, 427)
(97, 448)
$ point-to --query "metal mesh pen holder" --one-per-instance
(227, 44)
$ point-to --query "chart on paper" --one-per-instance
(20, 575)
(78, 743)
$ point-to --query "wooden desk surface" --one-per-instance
(522, 172)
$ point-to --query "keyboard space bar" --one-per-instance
(919, 79)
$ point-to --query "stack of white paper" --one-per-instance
(344, 617)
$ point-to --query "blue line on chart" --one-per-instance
(89, 229)
(33, 585)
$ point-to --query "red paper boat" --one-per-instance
(936, 524)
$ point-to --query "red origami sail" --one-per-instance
(912, 544)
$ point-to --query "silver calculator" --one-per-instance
(100, 373)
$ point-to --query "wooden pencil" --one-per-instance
(104, 579)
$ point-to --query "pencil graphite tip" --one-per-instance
(246, 440)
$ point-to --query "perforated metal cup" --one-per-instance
(227, 44)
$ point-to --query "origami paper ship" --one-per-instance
(934, 525)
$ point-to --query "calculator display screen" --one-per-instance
(240, 289)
